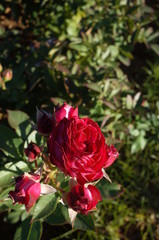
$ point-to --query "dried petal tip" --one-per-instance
(106, 175)
(47, 189)
(72, 215)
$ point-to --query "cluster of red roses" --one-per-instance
(76, 146)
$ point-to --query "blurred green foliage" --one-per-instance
(102, 56)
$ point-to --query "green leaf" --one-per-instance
(3, 202)
(84, 222)
(93, 86)
(13, 217)
(10, 170)
(28, 231)
(139, 144)
(45, 206)
(15, 118)
(78, 47)
(35, 231)
(109, 190)
(4, 192)
(59, 216)
(126, 54)
(129, 101)
(153, 36)
(10, 142)
(8, 203)
(155, 48)
(125, 61)
(19, 121)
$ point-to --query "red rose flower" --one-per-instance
(27, 190)
(82, 199)
(45, 122)
(112, 155)
(32, 152)
(66, 111)
(78, 148)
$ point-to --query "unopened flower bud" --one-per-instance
(45, 122)
(27, 190)
(82, 199)
(32, 152)
(7, 75)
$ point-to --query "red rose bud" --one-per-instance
(77, 147)
(32, 152)
(27, 190)
(112, 155)
(65, 111)
(82, 199)
(7, 75)
(45, 122)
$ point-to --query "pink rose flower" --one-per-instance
(82, 199)
(32, 152)
(27, 190)
(77, 147)
(65, 111)
(45, 122)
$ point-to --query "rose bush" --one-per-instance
(82, 199)
(27, 190)
(77, 147)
